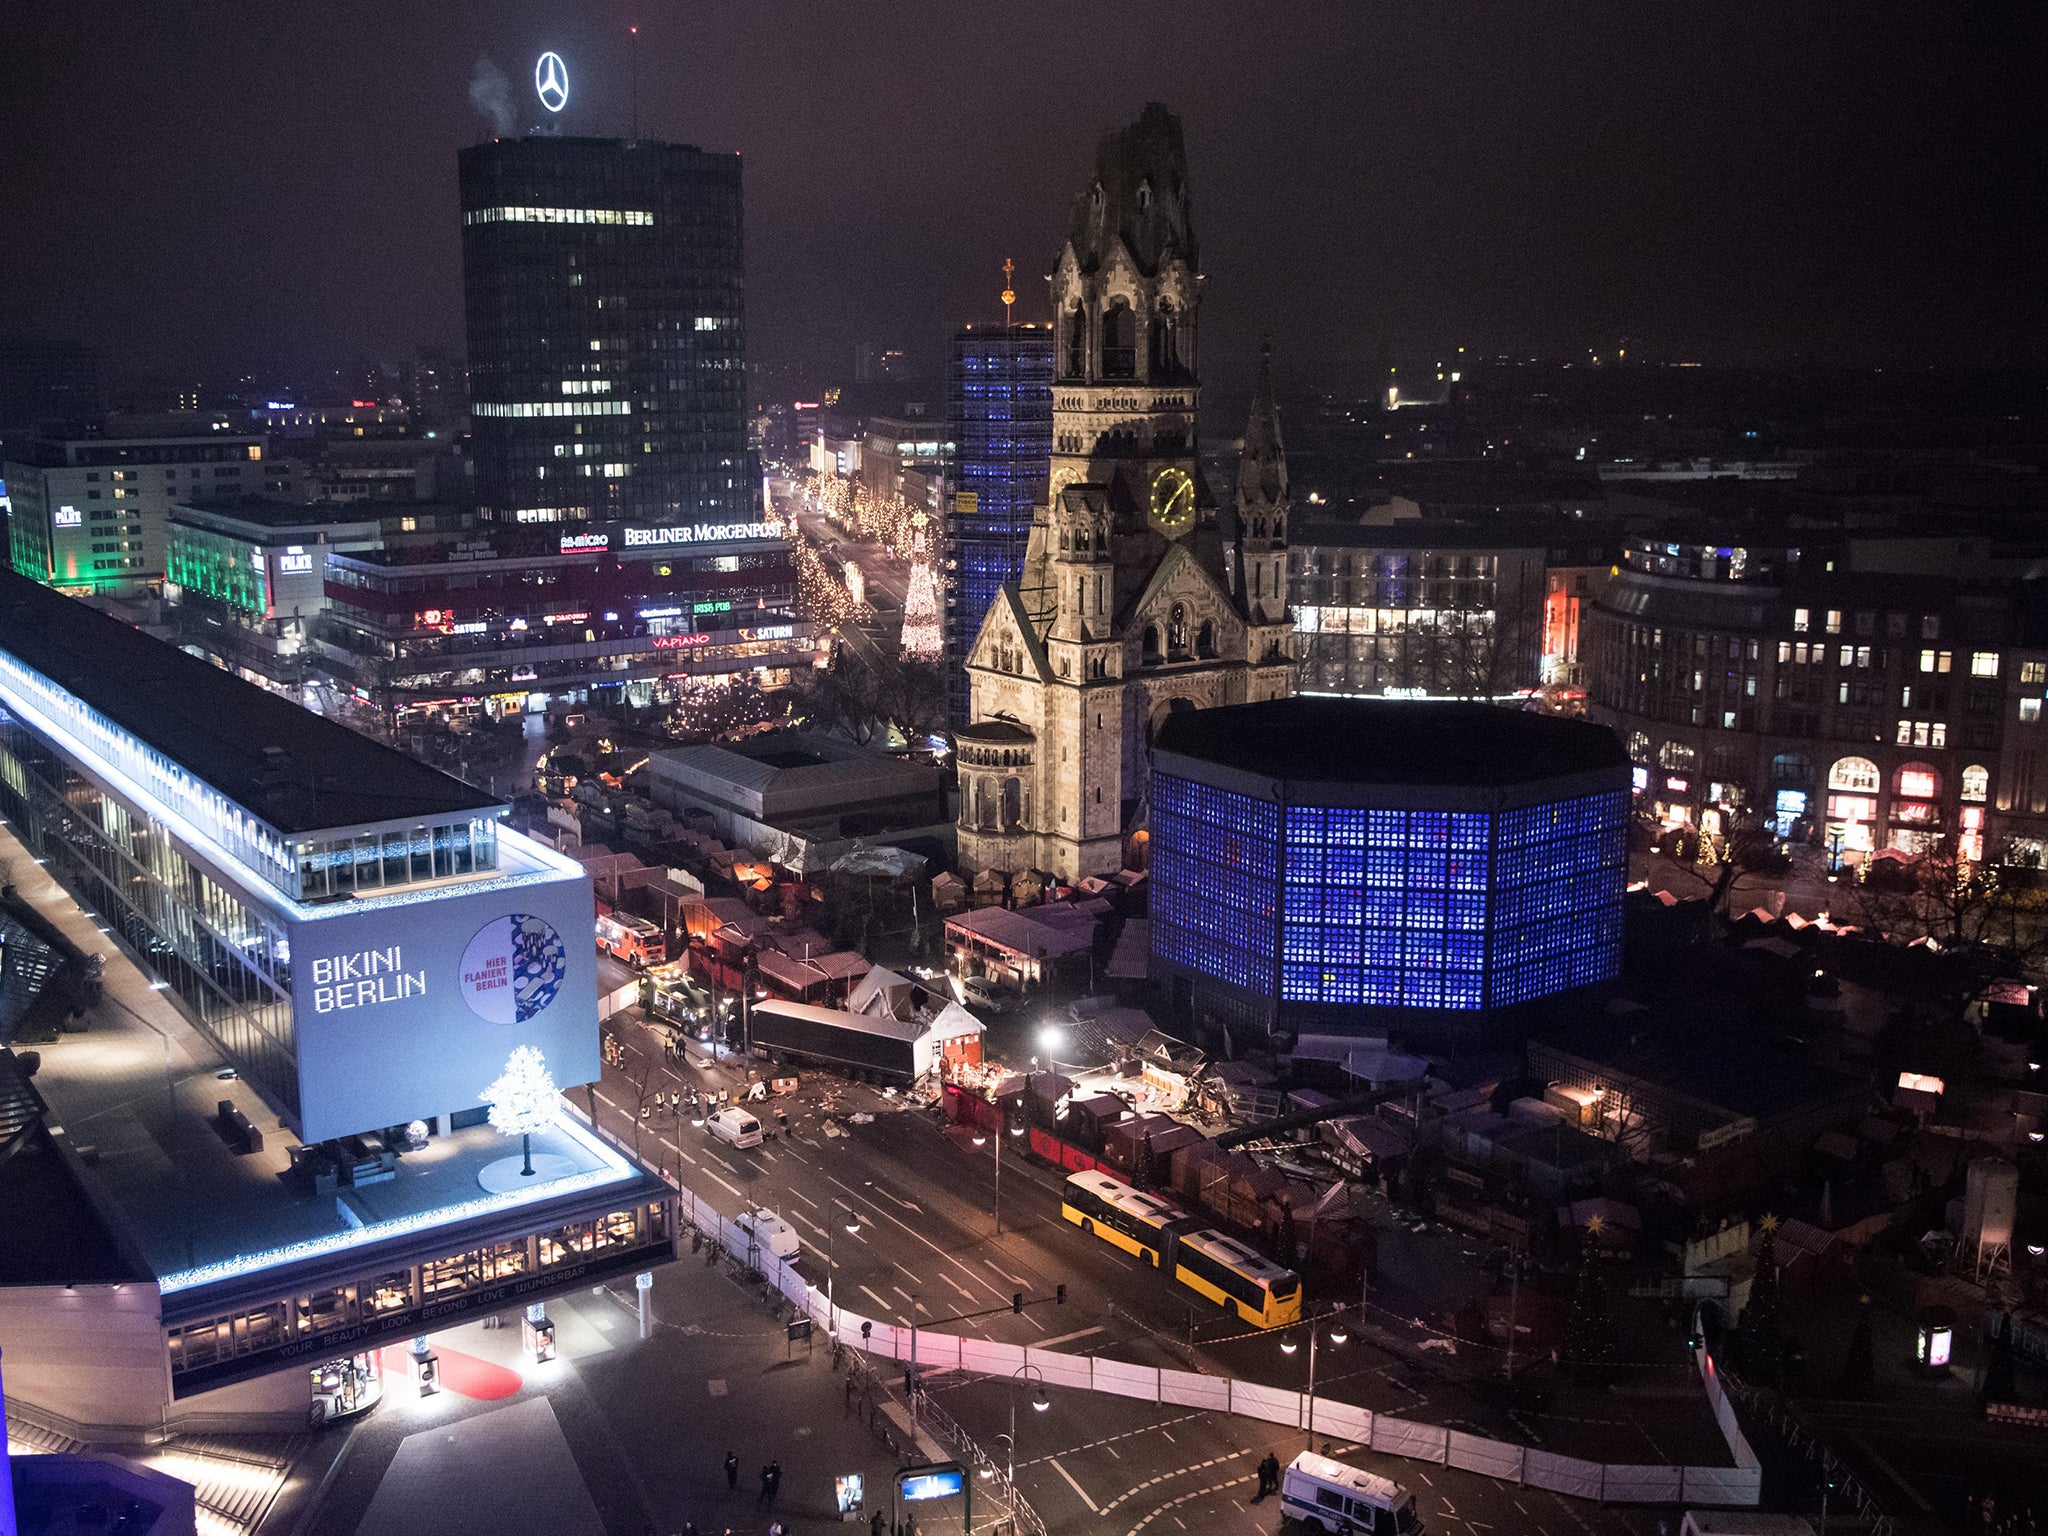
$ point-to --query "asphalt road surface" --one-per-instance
(927, 1248)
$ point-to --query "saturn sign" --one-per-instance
(513, 968)
(551, 81)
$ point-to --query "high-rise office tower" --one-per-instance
(603, 290)
(999, 408)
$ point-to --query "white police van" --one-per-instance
(1327, 1496)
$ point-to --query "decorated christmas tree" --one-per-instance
(524, 1100)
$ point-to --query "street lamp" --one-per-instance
(981, 1140)
(1039, 1403)
(1338, 1335)
(831, 1264)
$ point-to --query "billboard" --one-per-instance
(406, 1010)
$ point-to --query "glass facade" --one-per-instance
(1215, 862)
(999, 409)
(228, 962)
(400, 1302)
(228, 570)
(1434, 909)
(603, 290)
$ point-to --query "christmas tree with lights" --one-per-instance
(922, 637)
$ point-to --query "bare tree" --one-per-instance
(1955, 904)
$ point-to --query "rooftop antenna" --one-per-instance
(633, 53)
(1009, 293)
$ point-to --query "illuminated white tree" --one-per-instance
(524, 1100)
(922, 638)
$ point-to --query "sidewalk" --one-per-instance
(618, 1434)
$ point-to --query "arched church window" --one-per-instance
(1165, 339)
(1077, 343)
(1205, 638)
(1151, 644)
(1177, 631)
(1119, 342)
(1144, 195)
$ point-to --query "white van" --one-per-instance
(770, 1231)
(1328, 1496)
(735, 1126)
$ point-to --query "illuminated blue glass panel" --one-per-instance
(1214, 873)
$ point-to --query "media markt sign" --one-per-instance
(513, 968)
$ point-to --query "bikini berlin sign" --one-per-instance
(398, 1006)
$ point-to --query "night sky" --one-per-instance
(208, 186)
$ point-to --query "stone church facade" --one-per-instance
(1139, 596)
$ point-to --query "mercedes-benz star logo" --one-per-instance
(551, 81)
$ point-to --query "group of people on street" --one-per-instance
(771, 1479)
(1269, 1476)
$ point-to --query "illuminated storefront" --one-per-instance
(342, 946)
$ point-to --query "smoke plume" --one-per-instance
(491, 94)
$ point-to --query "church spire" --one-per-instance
(1262, 463)
(1262, 506)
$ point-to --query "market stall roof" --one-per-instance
(953, 1022)
(1037, 933)
(880, 989)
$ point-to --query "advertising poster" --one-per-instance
(408, 1010)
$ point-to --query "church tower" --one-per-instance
(1126, 297)
(1128, 606)
(1259, 550)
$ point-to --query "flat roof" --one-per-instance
(218, 727)
(1391, 741)
(140, 1089)
(276, 512)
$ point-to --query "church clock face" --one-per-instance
(1173, 501)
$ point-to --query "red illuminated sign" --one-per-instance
(679, 642)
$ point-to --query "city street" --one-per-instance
(887, 576)
(927, 1248)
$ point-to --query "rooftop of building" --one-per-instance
(792, 762)
(226, 732)
(1708, 1058)
(1386, 741)
(136, 1094)
(280, 512)
(40, 1194)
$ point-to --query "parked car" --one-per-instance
(735, 1127)
(769, 1230)
(983, 994)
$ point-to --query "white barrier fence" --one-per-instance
(1741, 1484)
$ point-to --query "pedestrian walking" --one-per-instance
(875, 1524)
(774, 1481)
(763, 1499)
(732, 1471)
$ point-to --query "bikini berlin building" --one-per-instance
(1348, 865)
(309, 955)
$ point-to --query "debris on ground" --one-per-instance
(860, 1117)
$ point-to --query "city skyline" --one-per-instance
(1752, 188)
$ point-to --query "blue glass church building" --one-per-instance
(1425, 869)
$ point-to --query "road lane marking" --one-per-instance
(935, 1248)
(800, 1195)
(915, 1279)
(1079, 1491)
(880, 1301)
(730, 1185)
(904, 1294)
(1068, 1338)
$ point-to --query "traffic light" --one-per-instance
(1017, 1302)
(1059, 1295)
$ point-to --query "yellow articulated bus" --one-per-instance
(1204, 1260)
